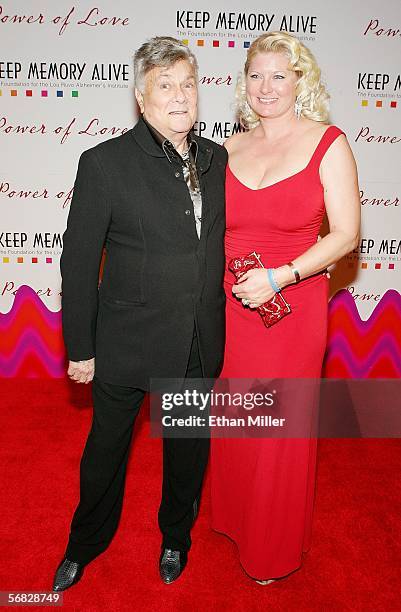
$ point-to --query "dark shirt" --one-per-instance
(188, 162)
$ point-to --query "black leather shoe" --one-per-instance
(172, 564)
(67, 574)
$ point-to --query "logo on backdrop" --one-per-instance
(210, 28)
(378, 253)
(375, 202)
(377, 28)
(217, 130)
(30, 247)
(60, 79)
(29, 240)
(379, 90)
(10, 191)
(216, 80)
(364, 296)
(86, 19)
(369, 135)
(93, 128)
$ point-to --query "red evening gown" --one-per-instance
(263, 489)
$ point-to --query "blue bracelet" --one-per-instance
(272, 282)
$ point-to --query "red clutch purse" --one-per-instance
(277, 307)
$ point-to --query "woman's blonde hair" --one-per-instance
(311, 93)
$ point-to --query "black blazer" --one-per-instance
(158, 278)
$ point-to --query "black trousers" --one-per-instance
(103, 471)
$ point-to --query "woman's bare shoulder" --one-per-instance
(314, 128)
(235, 141)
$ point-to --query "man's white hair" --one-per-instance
(160, 51)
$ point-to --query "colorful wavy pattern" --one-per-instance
(31, 344)
(364, 349)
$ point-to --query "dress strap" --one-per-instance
(326, 140)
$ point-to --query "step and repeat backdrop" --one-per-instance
(66, 85)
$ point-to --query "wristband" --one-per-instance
(272, 281)
(294, 271)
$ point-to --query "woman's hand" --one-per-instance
(255, 287)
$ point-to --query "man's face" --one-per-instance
(170, 99)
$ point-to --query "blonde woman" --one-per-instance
(288, 170)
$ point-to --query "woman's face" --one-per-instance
(271, 85)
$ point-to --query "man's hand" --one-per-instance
(81, 371)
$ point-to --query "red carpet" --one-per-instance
(353, 564)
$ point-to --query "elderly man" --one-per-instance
(154, 199)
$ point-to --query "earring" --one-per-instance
(297, 107)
